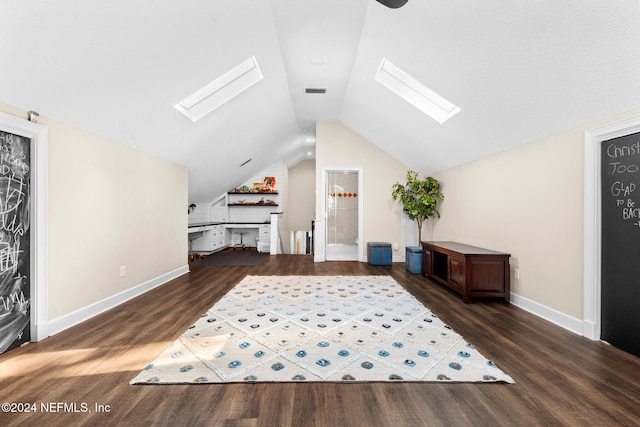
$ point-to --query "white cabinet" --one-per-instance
(264, 238)
(219, 213)
(213, 239)
(219, 240)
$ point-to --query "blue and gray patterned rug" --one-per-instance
(319, 328)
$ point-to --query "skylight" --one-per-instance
(414, 92)
(221, 90)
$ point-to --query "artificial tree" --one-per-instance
(419, 198)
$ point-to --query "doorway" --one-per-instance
(343, 214)
(23, 290)
(611, 233)
(619, 290)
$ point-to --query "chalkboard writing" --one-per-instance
(620, 269)
(622, 170)
(15, 193)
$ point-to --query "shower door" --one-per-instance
(342, 201)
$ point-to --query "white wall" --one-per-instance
(283, 220)
(302, 192)
(108, 206)
(201, 213)
(527, 201)
(337, 146)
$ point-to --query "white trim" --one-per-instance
(403, 227)
(275, 244)
(556, 317)
(71, 319)
(318, 240)
(592, 226)
(320, 236)
(415, 92)
(39, 297)
(221, 90)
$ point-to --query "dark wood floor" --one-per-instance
(561, 378)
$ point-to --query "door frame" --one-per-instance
(321, 231)
(38, 208)
(592, 256)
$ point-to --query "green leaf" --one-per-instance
(419, 198)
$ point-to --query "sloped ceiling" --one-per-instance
(519, 71)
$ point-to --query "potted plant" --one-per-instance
(419, 198)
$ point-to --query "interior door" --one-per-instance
(342, 215)
(15, 261)
(620, 266)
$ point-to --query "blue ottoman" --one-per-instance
(379, 253)
(413, 259)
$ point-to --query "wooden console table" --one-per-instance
(468, 270)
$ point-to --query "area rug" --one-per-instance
(319, 328)
(233, 257)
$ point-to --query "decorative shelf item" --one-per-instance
(261, 202)
(252, 192)
(253, 204)
(267, 186)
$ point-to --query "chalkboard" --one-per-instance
(15, 194)
(620, 269)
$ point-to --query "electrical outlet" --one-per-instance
(123, 271)
(516, 273)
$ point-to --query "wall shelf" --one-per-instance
(251, 206)
(254, 205)
(253, 192)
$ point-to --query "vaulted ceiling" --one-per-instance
(518, 70)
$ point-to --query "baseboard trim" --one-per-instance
(85, 313)
(556, 317)
(590, 330)
(394, 258)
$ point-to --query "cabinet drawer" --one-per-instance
(427, 263)
(264, 233)
(456, 273)
(487, 275)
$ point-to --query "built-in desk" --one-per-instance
(214, 236)
(471, 271)
(207, 237)
(262, 234)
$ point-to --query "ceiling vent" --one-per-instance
(221, 90)
(415, 93)
(315, 90)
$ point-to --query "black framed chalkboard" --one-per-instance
(15, 266)
(620, 249)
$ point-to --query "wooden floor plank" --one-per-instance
(561, 378)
